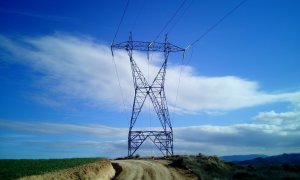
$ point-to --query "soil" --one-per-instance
(101, 170)
(131, 169)
(148, 170)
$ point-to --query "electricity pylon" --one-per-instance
(163, 139)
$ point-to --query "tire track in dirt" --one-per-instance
(147, 170)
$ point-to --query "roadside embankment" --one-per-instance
(102, 170)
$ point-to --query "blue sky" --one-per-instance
(239, 91)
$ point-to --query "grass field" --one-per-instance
(13, 169)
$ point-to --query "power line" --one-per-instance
(217, 23)
(191, 56)
(119, 83)
(170, 20)
(179, 80)
(184, 11)
(113, 58)
(124, 12)
(138, 16)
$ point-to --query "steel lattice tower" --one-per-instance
(162, 139)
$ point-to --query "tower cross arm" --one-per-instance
(147, 46)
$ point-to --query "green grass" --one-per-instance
(13, 169)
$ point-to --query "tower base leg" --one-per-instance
(163, 140)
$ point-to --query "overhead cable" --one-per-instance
(124, 12)
(217, 23)
(178, 19)
(170, 20)
(113, 58)
(138, 16)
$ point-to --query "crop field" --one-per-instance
(13, 169)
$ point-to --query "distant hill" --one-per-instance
(242, 157)
(280, 159)
(211, 167)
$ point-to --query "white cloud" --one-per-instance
(241, 135)
(207, 139)
(289, 120)
(271, 115)
(80, 68)
(54, 128)
(40, 16)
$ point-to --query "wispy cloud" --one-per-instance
(269, 133)
(290, 119)
(249, 135)
(39, 15)
(54, 128)
(81, 68)
(208, 139)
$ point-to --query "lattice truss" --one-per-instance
(163, 139)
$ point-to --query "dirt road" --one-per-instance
(148, 170)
